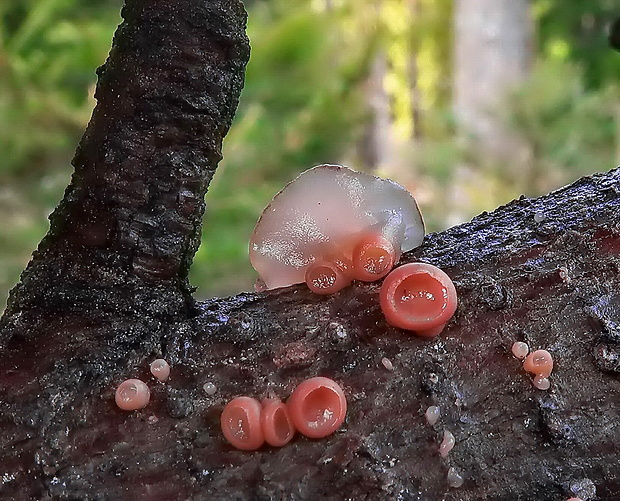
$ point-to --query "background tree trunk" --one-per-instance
(492, 55)
(107, 292)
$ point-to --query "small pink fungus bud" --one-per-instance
(373, 258)
(432, 414)
(160, 369)
(539, 363)
(241, 423)
(132, 395)
(387, 363)
(276, 422)
(317, 407)
(541, 382)
(574, 499)
(520, 349)
(447, 443)
(418, 297)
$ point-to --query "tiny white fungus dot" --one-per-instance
(447, 444)
(160, 369)
(520, 349)
(432, 414)
(209, 389)
(541, 382)
(387, 363)
(455, 479)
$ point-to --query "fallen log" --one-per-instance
(107, 292)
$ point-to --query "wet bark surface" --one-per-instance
(107, 292)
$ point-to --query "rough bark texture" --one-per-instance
(546, 271)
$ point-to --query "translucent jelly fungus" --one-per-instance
(520, 349)
(447, 444)
(317, 407)
(574, 499)
(241, 423)
(132, 395)
(160, 369)
(432, 414)
(539, 363)
(278, 427)
(387, 363)
(454, 478)
(418, 297)
(328, 217)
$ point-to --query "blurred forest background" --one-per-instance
(468, 103)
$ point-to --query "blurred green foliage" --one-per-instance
(305, 102)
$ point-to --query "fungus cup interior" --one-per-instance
(317, 407)
(241, 423)
(418, 297)
(276, 421)
(320, 217)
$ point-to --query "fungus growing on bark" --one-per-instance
(447, 444)
(332, 224)
(317, 407)
(160, 369)
(539, 363)
(520, 350)
(132, 395)
(418, 297)
(241, 423)
(278, 427)
(432, 414)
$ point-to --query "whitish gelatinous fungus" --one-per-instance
(132, 395)
(574, 499)
(332, 224)
(446, 444)
(520, 349)
(160, 369)
(454, 478)
(317, 407)
(418, 297)
(541, 382)
(387, 363)
(539, 363)
(209, 388)
(432, 414)
(277, 425)
(241, 423)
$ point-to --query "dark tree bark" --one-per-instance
(107, 292)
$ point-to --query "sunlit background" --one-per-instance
(468, 103)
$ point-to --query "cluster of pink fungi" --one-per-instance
(332, 225)
(316, 408)
(539, 363)
(134, 394)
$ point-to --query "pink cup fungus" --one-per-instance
(539, 363)
(373, 258)
(241, 423)
(132, 395)
(317, 407)
(278, 427)
(418, 297)
(160, 369)
(326, 218)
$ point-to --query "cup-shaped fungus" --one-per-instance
(539, 363)
(132, 395)
(278, 427)
(241, 423)
(317, 407)
(310, 229)
(418, 297)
